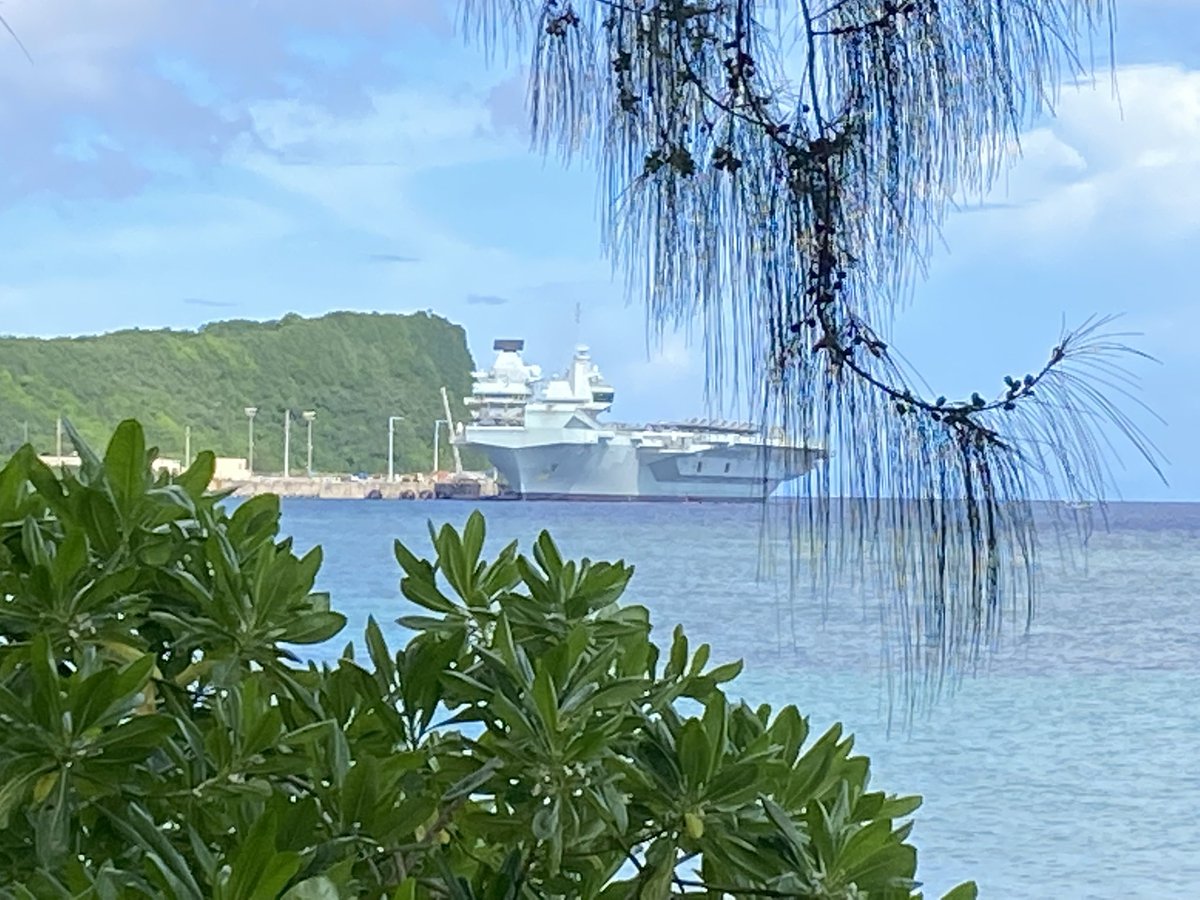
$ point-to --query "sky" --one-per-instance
(167, 164)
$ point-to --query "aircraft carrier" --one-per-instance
(548, 439)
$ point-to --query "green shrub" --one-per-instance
(160, 739)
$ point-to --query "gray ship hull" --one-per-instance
(612, 469)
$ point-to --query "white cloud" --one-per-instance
(74, 46)
(361, 169)
(1104, 168)
(406, 129)
(164, 77)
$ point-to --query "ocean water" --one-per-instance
(1069, 769)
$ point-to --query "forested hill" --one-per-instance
(353, 369)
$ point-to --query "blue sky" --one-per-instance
(167, 164)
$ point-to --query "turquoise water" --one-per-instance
(1070, 769)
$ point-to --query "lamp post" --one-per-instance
(251, 412)
(187, 446)
(309, 416)
(436, 447)
(287, 441)
(392, 420)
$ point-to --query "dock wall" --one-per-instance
(413, 488)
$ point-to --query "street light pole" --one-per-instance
(187, 445)
(251, 412)
(392, 420)
(287, 441)
(309, 415)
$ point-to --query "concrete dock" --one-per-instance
(407, 487)
(232, 473)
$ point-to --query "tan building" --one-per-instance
(231, 468)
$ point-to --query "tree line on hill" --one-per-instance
(354, 370)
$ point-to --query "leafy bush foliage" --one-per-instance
(160, 737)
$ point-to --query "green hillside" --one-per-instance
(353, 369)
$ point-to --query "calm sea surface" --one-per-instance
(1070, 769)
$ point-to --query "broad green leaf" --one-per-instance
(89, 461)
(125, 465)
(100, 517)
(736, 784)
(313, 732)
(134, 740)
(425, 593)
(306, 571)
(862, 845)
(412, 565)
(790, 730)
(472, 539)
(968, 890)
(514, 657)
(452, 561)
(465, 786)
(695, 753)
(411, 814)
(619, 692)
(428, 623)
(359, 794)
(678, 657)
(44, 481)
(726, 672)
(199, 475)
(34, 545)
(258, 870)
(47, 700)
(13, 791)
(13, 484)
(141, 831)
(545, 552)
(377, 649)
(787, 828)
(899, 807)
(313, 628)
(820, 833)
(716, 728)
(278, 871)
(546, 699)
(71, 558)
(44, 785)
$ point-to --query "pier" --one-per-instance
(232, 474)
(466, 486)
